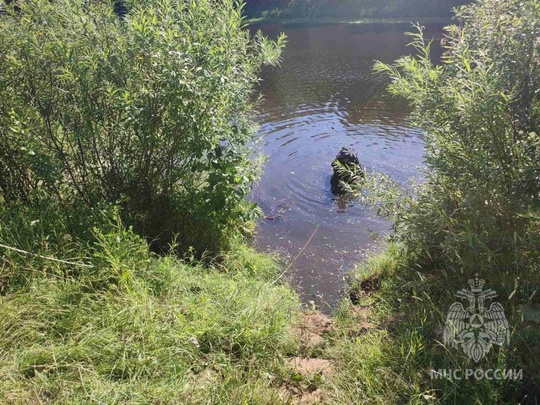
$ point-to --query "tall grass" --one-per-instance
(135, 328)
(393, 363)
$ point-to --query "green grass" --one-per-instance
(165, 331)
(391, 364)
(137, 328)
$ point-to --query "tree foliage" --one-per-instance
(480, 206)
(151, 112)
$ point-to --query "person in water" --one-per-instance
(347, 171)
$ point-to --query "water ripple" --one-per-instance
(324, 97)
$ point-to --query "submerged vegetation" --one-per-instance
(120, 137)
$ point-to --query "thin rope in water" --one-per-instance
(298, 255)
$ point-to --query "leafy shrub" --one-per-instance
(480, 108)
(150, 111)
(478, 211)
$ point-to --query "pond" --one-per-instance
(325, 96)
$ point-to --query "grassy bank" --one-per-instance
(136, 328)
(121, 136)
(171, 331)
(408, 301)
(88, 314)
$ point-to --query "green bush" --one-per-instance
(477, 212)
(480, 206)
(151, 112)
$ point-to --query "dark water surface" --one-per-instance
(325, 96)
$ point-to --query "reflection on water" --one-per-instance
(323, 97)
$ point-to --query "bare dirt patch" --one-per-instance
(309, 367)
(301, 397)
(305, 390)
(311, 330)
(361, 314)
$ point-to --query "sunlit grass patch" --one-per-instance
(177, 332)
(393, 361)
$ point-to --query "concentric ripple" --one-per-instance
(323, 97)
